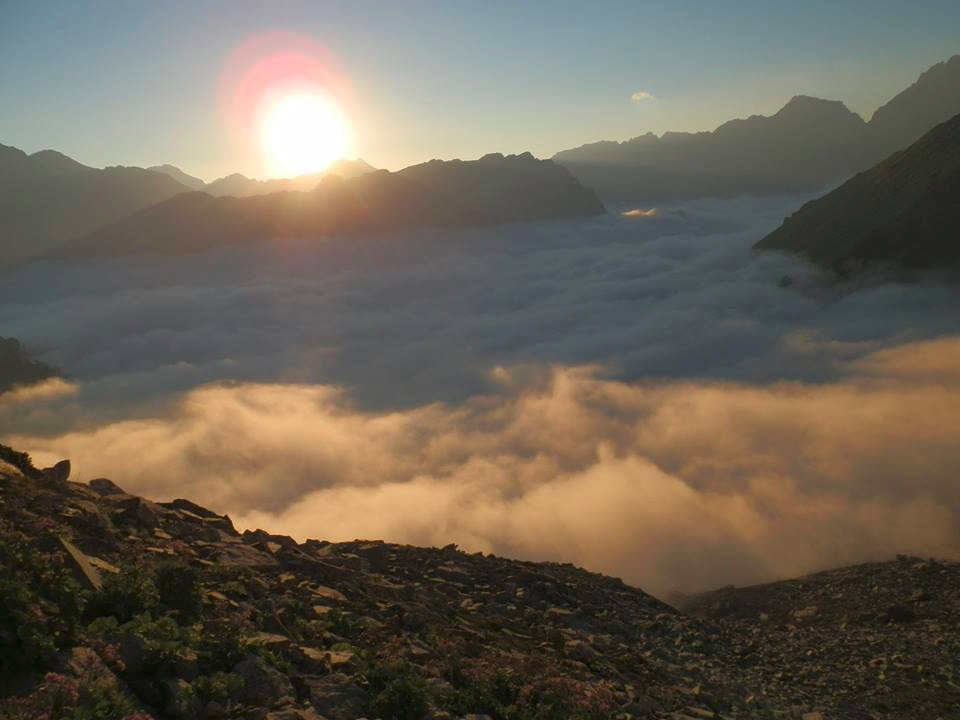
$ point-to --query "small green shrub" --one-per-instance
(130, 593)
(39, 606)
(178, 589)
(223, 642)
(164, 641)
(221, 687)
(399, 692)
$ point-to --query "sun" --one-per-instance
(302, 134)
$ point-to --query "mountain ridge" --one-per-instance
(807, 144)
(492, 190)
(47, 199)
(239, 185)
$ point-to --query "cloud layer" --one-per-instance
(642, 396)
(672, 485)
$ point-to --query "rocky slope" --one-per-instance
(904, 212)
(872, 641)
(494, 189)
(805, 146)
(120, 607)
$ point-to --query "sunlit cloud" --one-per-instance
(52, 389)
(641, 96)
(671, 485)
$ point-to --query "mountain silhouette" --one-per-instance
(933, 98)
(805, 146)
(194, 183)
(238, 185)
(903, 212)
(47, 199)
(494, 189)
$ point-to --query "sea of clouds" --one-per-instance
(644, 396)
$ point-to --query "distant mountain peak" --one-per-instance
(194, 183)
(933, 98)
(57, 163)
(809, 104)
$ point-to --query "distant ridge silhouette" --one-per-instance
(903, 212)
(47, 199)
(494, 189)
(194, 183)
(239, 185)
(805, 146)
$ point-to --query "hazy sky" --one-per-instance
(140, 83)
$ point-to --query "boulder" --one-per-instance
(262, 684)
(59, 472)
(83, 570)
(102, 486)
(336, 697)
(180, 702)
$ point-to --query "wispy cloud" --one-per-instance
(641, 96)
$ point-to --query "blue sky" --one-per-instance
(138, 82)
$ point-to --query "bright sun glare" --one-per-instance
(303, 134)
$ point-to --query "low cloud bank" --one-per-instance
(673, 486)
(404, 321)
(647, 398)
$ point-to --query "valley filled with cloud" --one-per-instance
(643, 395)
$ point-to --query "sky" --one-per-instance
(142, 83)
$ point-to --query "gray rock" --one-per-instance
(102, 486)
(262, 684)
(336, 697)
(59, 472)
(83, 570)
(180, 700)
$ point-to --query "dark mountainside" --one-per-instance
(808, 144)
(492, 190)
(47, 199)
(904, 212)
(16, 368)
(110, 600)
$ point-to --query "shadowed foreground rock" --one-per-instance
(164, 609)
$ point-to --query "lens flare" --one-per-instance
(286, 103)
